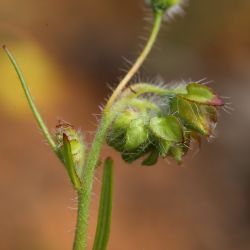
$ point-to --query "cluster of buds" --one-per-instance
(161, 122)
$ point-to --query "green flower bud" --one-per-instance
(124, 119)
(116, 137)
(136, 134)
(162, 5)
(129, 132)
(167, 132)
(76, 143)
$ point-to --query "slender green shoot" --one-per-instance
(32, 105)
(80, 241)
(105, 208)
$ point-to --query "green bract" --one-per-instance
(166, 128)
(163, 122)
(136, 135)
(191, 115)
(202, 94)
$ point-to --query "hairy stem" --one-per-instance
(80, 242)
(84, 194)
(139, 61)
(32, 105)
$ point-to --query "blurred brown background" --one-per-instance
(69, 51)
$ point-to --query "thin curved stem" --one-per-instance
(139, 61)
(32, 105)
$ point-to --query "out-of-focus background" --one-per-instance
(69, 52)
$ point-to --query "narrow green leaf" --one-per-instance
(105, 208)
(69, 163)
(30, 100)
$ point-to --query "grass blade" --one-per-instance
(105, 208)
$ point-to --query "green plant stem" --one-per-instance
(32, 105)
(105, 207)
(139, 61)
(80, 242)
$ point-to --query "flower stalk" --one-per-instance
(141, 58)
